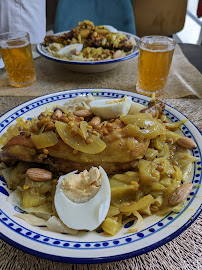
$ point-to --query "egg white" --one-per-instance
(84, 216)
(105, 110)
(69, 50)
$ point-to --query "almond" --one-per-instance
(180, 194)
(95, 121)
(82, 113)
(39, 175)
(57, 114)
(186, 143)
(117, 54)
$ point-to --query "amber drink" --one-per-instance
(155, 57)
(15, 49)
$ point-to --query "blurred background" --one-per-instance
(192, 30)
(176, 18)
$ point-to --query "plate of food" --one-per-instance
(88, 48)
(97, 175)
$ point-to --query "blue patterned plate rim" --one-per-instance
(111, 93)
(103, 259)
(41, 49)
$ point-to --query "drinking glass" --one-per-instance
(155, 57)
(15, 49)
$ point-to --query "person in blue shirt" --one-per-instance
(117, 13)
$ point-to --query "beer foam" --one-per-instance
(4, 44)
(157, 44)
(170, 47)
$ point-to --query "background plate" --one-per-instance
(89, 66)
(95, 247)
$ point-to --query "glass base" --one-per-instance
(147, 93)
(22, 84)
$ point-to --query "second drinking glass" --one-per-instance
(155, 56)
(15, 49)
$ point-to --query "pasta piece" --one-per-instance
(113, 211)
(148, 174)
(56, 225)
(158, 187)
(32, 219)
(164, 152)
(173, 136)
(112, 225)
(151, 154)
(176, 125)
(6, 173)
(126, 177)
(135, 206)
(115, 183)
(145, 211)
(124, 192)
(138, 225)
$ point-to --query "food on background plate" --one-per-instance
(96, 163)
(87, 42)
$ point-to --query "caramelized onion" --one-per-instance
(45, 139)
(78, 142)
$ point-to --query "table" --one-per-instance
(184, 252)
(193, 53)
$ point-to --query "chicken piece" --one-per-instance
(155, 108)
(115, 158)
(62, 39)
(98, 42)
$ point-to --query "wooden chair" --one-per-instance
(159, 17)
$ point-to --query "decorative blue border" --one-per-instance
(104, 259)
(109, 243)
(41, 49)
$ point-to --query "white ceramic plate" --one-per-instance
(95, 247)
(89, 66)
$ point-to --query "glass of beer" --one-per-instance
(155, 57)
(15, 49)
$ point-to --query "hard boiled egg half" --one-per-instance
(111, 108)
(82, 200)
(70, 50)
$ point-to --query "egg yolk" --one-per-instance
(80, 188)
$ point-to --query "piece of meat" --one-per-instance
(125, 45)
(110, 167)
(22, 153)
(97, 42)
(115, 158)
(20, 140)
(62, 39)
(155, 108)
